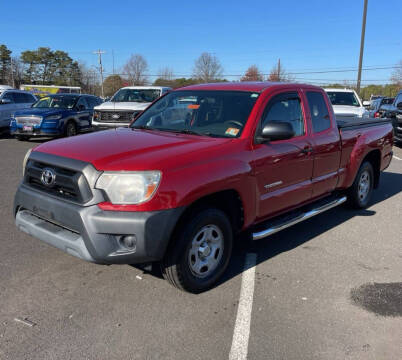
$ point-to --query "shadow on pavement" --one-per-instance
(291, 238)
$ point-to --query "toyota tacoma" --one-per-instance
(200, 165)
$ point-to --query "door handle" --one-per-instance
(307, 150)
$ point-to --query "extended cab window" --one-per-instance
(285, 108)
(319, 111)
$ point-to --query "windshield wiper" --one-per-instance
(143, 127)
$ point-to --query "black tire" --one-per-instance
(22, 137)
(71, 129)
(177, 265)
(360, 192)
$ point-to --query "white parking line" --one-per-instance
(396, 157)
(241, 331)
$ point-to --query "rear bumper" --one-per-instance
(92, 234)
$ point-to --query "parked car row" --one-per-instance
(387, 107)
(69, 114)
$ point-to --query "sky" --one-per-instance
(308, 36)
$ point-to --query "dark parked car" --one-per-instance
(378, 107)
(55, 115)
(394, 111)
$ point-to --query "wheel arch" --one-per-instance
(228, 201)
(374, 158)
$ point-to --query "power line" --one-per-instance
(289, 72)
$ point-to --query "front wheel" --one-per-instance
(199, 252)
(362, 188)
(71, 129)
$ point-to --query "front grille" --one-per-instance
(69, 184)
(28, 120)
(116, 116)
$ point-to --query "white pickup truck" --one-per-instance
(124, 105)
(346, 103)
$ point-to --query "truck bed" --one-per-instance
(354, 122)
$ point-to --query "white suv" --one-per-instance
(12, 100)
(346, 102)
(124, 105)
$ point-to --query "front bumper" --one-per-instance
(36, 132)
(91, 234)
(97, 126)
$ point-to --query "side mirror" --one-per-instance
(366, 103)
(277, 130)
(81, 107)
(399, 105)
(5, 101)
(135, 116)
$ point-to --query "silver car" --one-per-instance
(12, 100)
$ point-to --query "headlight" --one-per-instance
(54, 117)
(24, 163)
(96, 115)
(129, 187)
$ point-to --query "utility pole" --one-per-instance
(113, 60)
(99, 53)
(279, 69)
(359, 75)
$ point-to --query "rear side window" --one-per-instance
(29, 98)
(286, 107)
(319, 111)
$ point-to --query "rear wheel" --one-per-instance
(71, 129)
(199, 252)
(362, 188)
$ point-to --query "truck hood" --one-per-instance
(39, 112)
(349, 110)
(111, 105)
(125, 149)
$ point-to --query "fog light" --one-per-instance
(129, 241)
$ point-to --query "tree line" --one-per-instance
(44, 66)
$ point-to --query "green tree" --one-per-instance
(112, 83)
(5, 63)
(44, 66)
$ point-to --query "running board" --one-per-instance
(279, 226)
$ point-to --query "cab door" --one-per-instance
(326, 144)
(283, 168)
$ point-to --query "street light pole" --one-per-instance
(359, 75)
(99, 53)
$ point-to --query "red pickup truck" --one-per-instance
(198, 166)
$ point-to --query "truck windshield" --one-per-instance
(343, 98)
(57, 101)
(207, 113)
(136, 95)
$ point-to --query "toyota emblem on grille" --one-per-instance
(115, 116)
(48, 177)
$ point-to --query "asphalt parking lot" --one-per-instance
(329, 288)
